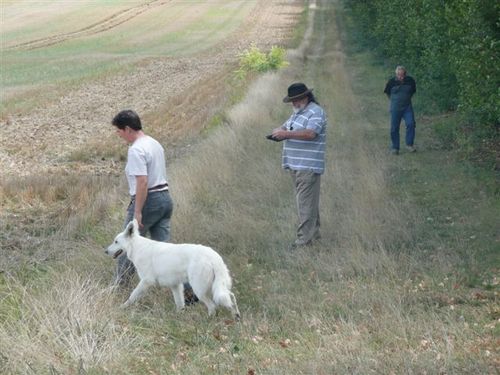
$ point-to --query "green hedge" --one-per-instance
(451, 47)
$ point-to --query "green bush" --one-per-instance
(253, 60)
(276, 58)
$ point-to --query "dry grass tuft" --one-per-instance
(44, 214)
(223, 170)
(70, 325)
(56, 201)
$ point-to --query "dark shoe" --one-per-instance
(189, 297)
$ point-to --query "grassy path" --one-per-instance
(385, 292)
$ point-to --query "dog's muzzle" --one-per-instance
(117, 254)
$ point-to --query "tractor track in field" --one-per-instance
(96, 28)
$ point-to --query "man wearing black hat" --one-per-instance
(304, 134)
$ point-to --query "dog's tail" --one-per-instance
(221, 290)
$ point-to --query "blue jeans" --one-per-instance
(408, 116)
(156, 215)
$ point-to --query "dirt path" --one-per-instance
(44, 140)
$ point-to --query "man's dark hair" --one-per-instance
(127, 118)
(312, 98)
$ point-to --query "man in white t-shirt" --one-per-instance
(150, 202)
(146, 174)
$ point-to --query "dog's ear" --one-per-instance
(129, 231)
(136, 225)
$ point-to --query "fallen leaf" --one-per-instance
(479, 296)
(285, 343)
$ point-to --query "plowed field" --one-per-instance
(167, 59)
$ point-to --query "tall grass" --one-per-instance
(362, 301)
(45, 215)
(78, 329)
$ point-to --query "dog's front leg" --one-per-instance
(178, 292)
(136, 293)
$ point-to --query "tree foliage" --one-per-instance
(450, 46)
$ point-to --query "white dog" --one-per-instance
(171, 265)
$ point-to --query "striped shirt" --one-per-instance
(301, 155)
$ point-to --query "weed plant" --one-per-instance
(253, 60)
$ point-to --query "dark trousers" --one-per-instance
(156, 215)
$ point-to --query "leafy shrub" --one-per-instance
(253, 60)
(276, 58)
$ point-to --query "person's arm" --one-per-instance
(312, 128)
(141, 194)
(388, 87)
(413, 86)
(282, 128)
(304, 135)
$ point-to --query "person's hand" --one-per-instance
(138, 217)
(279, 133)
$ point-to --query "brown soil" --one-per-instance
(177, 97)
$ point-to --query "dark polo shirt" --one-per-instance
(400, 92)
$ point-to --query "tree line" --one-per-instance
(451, 47)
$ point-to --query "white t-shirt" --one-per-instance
(145, 158)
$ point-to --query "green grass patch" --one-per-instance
(457, 196)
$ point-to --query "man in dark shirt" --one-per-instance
(399, 90)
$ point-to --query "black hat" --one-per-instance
(296, 91)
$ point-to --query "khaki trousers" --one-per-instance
(307, 188)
